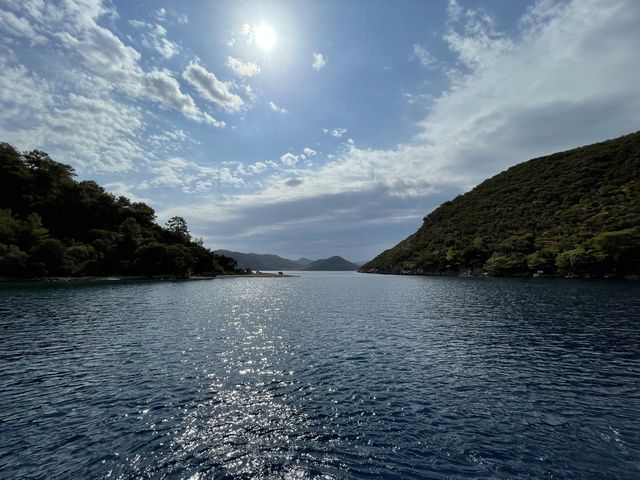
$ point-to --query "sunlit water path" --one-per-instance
(334, 375)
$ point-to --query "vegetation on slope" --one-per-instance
(52, 225)
(570, 213)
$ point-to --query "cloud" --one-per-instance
(454, 10)
(111, 64)
(20, 27)
(289, 159)
(258, 167)
(247, 31)
(294, 182)
(424, 57)
(563, 79)
(276, 108)
(157, 40)
(81, 102)
(309, 152)
(95, 134)
(335, 132)
(188, 176)
(161, 86)
(102, 52)
(242, 69)
(210, 88)
(319, 61)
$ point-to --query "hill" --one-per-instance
(258, 261)
(574, 213)
(335, 263)
(303, 261)
(52, 225)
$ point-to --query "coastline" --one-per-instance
(135, 278)
(482, 274)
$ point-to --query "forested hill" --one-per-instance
(570, 213)
(52, 225)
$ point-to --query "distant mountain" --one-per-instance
(256, 261)
(304, 261)
(331, 264)
(575, 213)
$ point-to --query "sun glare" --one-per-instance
(265, 37)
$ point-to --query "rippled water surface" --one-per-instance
(331, 375)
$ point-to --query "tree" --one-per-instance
(50, 253)
(178, 227)
(543, 259)
(499, 264)
(13, 261)
(15, 181)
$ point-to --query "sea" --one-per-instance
(322, 375)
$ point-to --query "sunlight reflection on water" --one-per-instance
(322, 376)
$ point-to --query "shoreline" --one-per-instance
(136, 278)
(468, 274)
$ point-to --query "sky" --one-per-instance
(311, 128)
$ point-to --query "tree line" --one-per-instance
(53, 225)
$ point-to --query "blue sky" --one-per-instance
(357, 120)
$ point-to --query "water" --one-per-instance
(330, 375)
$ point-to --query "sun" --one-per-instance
(265, 37)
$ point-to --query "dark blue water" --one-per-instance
(328, 375)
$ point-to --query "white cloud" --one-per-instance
(157, 40)
(564, 79)
(242, 69)
(168, 136)
(276, 108)
(319, 61)
(20, 27)
(95, 134)
(454, 10)
(248, 32)
(161, 86)
(102, 52)
(289, 159)
(161, 14)
(424, 57)
(79, 102)
(113, 65)
(138, 24)
(335, 132)
(188, 177)
(258, 167)
(210, 88)
(309, 152)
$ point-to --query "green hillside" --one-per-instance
(570, 213)
(52, 225)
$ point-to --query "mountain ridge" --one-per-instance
(260, 261)
(265, 261)
(335, 263)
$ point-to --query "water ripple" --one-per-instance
(323, 376)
